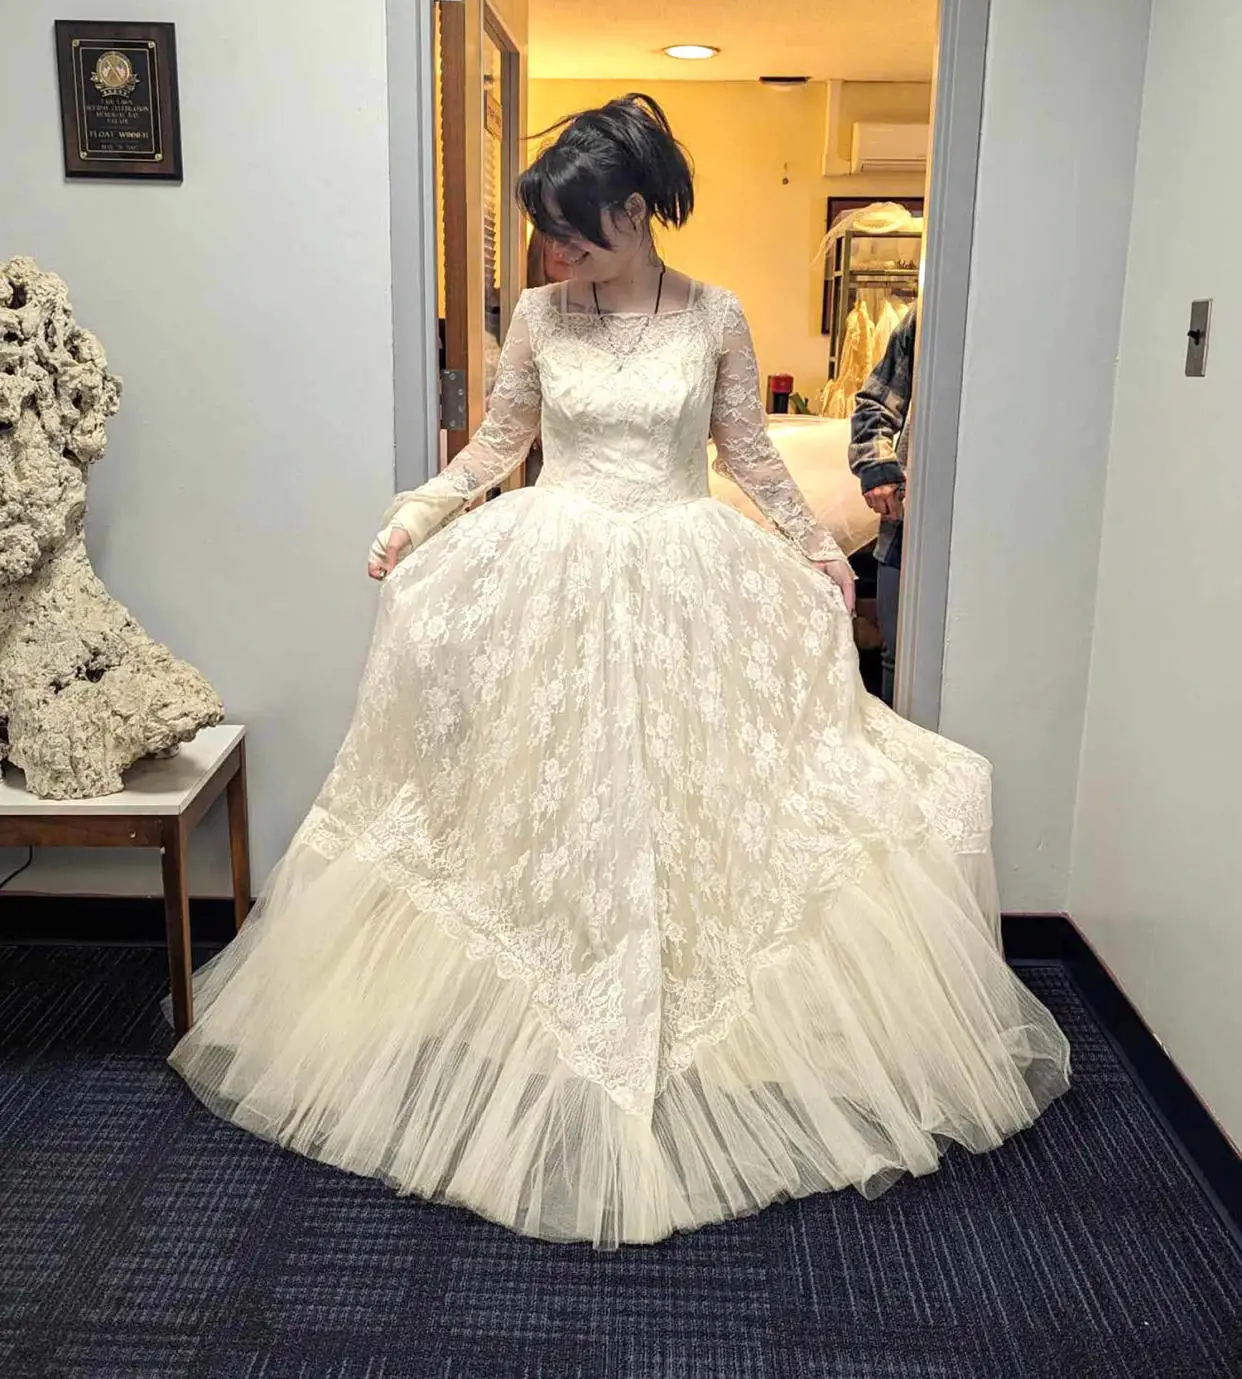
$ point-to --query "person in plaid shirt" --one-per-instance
(879, 450)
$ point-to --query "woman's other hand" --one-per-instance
(841, 572)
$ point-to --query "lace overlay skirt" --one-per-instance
(624, 908)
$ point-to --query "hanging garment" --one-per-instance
(888, 322)
(854, 364)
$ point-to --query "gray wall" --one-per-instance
(249, 314)
(1157, 871)
(1056, 165)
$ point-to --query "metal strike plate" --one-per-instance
(1197, 338)
(453, 413)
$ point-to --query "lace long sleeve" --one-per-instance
(493, 452)
(745, 451)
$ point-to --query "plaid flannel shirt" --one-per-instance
(880, 428)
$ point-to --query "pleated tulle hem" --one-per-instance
(347, 1026)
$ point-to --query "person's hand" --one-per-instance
(841, 572)
(888, 500)
(380, 566)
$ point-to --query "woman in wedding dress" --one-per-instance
(624, 908)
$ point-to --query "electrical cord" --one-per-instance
(13, 875)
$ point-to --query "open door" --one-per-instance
(478, 111)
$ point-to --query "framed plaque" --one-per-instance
(118, 99)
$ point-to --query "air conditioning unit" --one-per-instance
(890, 147)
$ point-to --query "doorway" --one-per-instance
(849, 162)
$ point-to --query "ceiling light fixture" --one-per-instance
(691, 52)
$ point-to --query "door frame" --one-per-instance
(461, 205)
(514, 115)
(957, 113)
(412, 229)
(957, 120)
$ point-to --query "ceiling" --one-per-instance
(851, 40)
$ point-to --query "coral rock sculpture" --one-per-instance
(84, 692)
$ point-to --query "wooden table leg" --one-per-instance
(239, 839)
(177, 924)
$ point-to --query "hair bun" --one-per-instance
(599, 159)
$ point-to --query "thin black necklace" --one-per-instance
(659, 294)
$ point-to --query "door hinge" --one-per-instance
(453, 416)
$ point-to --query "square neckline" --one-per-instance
(567, 309)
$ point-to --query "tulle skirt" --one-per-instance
(624, 908)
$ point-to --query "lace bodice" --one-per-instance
(625, 405)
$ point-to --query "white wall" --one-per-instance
(1157, 873)
(1061, 107)
(248, 312)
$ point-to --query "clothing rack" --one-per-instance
(850, 276)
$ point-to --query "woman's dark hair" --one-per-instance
(599, 160)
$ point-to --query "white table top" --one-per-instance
(163, 787)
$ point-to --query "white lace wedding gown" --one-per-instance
(624, 908)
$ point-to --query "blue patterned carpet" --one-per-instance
(142, 1239)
